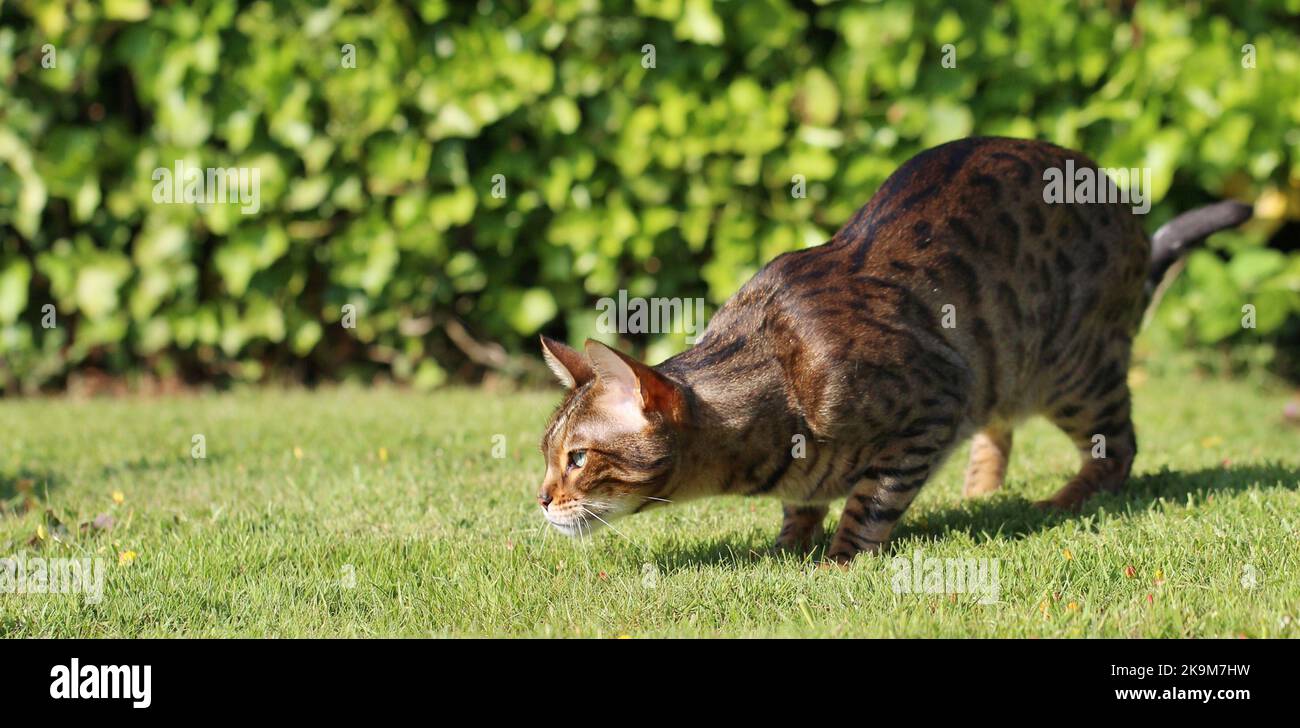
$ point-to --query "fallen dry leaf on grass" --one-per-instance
(102, 522)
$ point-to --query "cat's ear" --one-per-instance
(650, 390)
(569, 365)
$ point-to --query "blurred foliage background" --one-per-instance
(648, 146)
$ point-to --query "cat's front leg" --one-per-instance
(801, 527)
(883, 491)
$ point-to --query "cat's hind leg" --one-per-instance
(1101, 428)
(987, 468)
(801, 527)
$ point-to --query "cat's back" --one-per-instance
(972, 206)
(957, 261)
(982, 201)
(1015, 281)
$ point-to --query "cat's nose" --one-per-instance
(544, 497)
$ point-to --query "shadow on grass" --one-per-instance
(23, 483)
(714, 552)
(142, 466)
(1012, 517)
(984, 519)
(17, 486)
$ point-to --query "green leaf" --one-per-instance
(14, 279)
(98, 285)
(531, 309)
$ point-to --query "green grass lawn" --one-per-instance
(353, 512)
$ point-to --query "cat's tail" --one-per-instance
(1177, 237)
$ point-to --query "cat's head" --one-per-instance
(613, 443)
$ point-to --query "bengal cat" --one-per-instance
(957, 302)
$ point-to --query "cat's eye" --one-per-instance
(577, 458)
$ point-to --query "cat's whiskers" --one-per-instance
(615, 530)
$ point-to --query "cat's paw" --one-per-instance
(979, 489)
(1058, 505)
(799, 543)
(837, 562)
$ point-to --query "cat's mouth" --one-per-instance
(579, 519)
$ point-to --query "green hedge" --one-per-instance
(671, 180)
